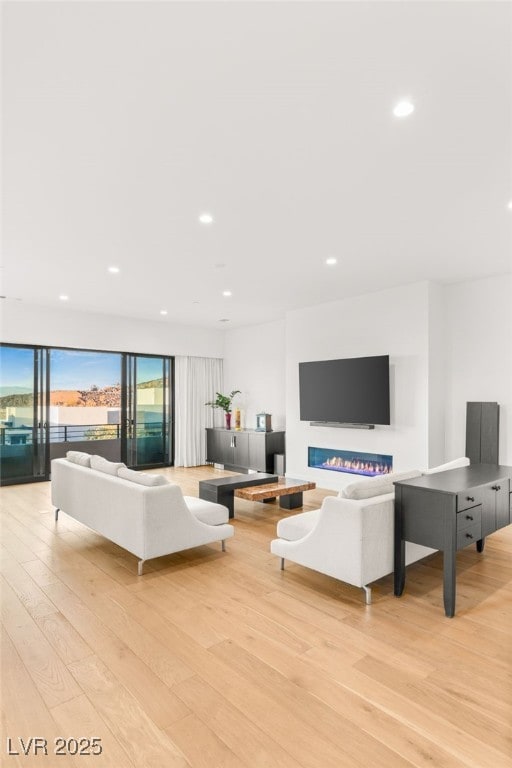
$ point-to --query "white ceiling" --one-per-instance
(123, 121)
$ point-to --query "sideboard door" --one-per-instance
(503, 504)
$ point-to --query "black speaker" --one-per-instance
(279, 464)
(482, 432)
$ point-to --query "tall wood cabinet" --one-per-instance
(243, 449)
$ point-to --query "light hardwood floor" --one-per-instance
(221, 660)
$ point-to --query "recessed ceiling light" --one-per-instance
(509, 206)
(63, 297)
(227, 293)
(163, 311)
(113, 270)
(403, 109)
(331, 260)
(224, 320)
(206, 218)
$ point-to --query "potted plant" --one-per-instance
(224, 402)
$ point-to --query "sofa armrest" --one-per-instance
(169, 525)
(364, 518)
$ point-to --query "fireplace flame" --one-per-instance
(348, 461)
(356, 465)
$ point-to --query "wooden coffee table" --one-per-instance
(220, 489)
(288, 490)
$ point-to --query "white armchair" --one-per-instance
(350, 539)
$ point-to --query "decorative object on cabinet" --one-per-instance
(279, 464)
(263, 422)
(224, 402)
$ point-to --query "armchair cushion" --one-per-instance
(104, 465)
(79, 457)
(142, 478)
(455, 464)
(376, 486)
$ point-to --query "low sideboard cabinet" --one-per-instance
(449, 511)
(244, 449)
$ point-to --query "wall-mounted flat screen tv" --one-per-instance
(350, 391)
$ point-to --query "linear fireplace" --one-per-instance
(369, 464)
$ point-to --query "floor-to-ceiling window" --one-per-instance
(23, 414)
(85, 402)
(149, 414)
(52, 400)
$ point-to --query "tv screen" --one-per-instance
(350, 391)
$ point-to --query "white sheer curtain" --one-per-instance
(196, 380)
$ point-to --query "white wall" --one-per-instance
(479, 325)
(447, 344)
(437, 366)
(31, 324)
(393, 322)
(254, 362)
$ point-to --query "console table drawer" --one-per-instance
(469, 498)
(469, 517)
(468, 536)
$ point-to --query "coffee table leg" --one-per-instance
(226, 497)
(291, 500)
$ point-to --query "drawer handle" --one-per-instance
(470, 498)
(469, 517)
(469, 535)
(496, 487)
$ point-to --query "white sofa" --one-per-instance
(145, 514)
(351, 537)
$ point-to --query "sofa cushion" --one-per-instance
(207, 511)
(79, 457)
(376, 486)
(142, 478)
(103, 465)
(455, 464)
(296, 526)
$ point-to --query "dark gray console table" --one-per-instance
(449, 511)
